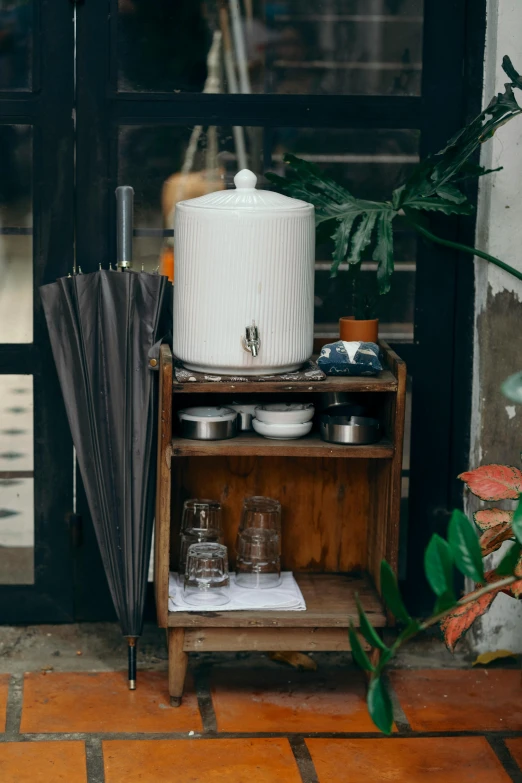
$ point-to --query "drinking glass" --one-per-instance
(195, 537)
(258, 564)
(206, 575)
(260, 513)
(201, 515)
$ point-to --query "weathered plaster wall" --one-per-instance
(496, 431)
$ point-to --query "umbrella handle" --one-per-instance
(124, 225)
(132, 662)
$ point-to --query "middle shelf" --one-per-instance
(248, 444)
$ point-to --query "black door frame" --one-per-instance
(48, 107)
(444, 282)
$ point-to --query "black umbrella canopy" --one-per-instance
(105, 330)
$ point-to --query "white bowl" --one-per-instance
(282, 431)
(285, 413)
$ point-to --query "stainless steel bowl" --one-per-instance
(340, 429)
(202, 424)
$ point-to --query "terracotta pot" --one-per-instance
(351, 330)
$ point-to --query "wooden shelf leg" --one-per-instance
(178, 660)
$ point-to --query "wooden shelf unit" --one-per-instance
(340, 515)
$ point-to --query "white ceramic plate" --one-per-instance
(285, 413)
(282, 431)
(207, 413)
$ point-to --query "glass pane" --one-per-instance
(16, 242)
(16, 480)
(311, 47)
(16, 44)
(167, 164)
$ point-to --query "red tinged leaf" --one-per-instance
(494, 482)
(493, 538)
(492, 517)
(455, 625)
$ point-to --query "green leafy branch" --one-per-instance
(462, 550)
(434, 186)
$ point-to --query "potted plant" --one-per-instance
(362, 324)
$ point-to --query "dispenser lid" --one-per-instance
(246, 196)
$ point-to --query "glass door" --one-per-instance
(36, 247)
(179, 96)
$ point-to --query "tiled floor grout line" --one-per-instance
(200, 737)
(94, 757)
(204, 696)
(504, 756)
(303, 759)
(14, 706)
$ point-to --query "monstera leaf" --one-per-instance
(433, 186)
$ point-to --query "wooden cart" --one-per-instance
(340, 507)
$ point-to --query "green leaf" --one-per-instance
(368, 631)
(362, 237)
(515, 77)
(465, 546)
(391, 594)
(512, 387)
(380, 705)
(341, 238)
(508, 563)
(383, 252)
(438, 565)
(451, 193)
(436, 204)
(516, 522)
(359, 655)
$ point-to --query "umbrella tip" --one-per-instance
(132, 685)
(132, 662)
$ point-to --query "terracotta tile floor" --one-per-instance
(260, 725)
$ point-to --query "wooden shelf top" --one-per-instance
(248, 444)
(330, 603)
(384, 382)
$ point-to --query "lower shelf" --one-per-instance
(330, 604)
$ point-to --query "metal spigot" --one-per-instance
(252, 342)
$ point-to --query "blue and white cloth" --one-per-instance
(350, 358)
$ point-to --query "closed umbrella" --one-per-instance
(105, 329)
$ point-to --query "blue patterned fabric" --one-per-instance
(353, 358)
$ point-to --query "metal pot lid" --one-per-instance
(245, 196)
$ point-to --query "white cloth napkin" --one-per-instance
(286, 597)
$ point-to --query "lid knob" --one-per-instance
(245, 179)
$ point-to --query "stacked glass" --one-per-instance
(258, 544)
(206, 579)
(200, 523)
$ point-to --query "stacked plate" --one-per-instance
(283, 420)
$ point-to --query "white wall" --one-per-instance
(499, 232)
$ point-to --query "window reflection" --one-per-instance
(271, 46)
(16, 23)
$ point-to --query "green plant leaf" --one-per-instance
(359, 655)
(516, 522)
(438, 565)
(368, 631)
(507, 565)
(512, 388)
(465, 546)
(380, 705)
(515, 77)
(450, 192)
(436, 204)
(391, 594)
(341, 238)
(362, 237)
(383, 251)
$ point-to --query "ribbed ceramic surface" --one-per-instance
(236, 267)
